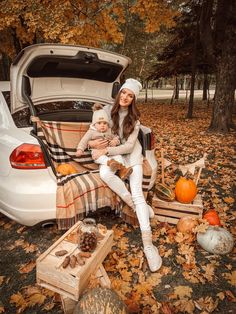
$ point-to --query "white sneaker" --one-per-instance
(153, 257)
(151, 212)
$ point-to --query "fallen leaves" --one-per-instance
(231, 277)
(190, 280)
(183, 291)
(1, 279)
(31, 296)
(207, 304)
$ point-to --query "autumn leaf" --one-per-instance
(48, 306)
(18, 300)
(229, 200)
(7, 226)
(28, 267)
(30, 248)
(1, 279)
(208, 304)
(221, 295)
(134, 261)
(184, 306)
(21, 229)
(123, 244)
(209, 272)
(125, 274)
(183, 291)
(143, 288)
(166, 308)
(133, 302)
(231, 277)
(118, 233)
(202, 226)
(122, 264)
(154, 279)
(36, 298)
(230, 296)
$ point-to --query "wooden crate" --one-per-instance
(68, 304)
(70, 282)
(171, 212)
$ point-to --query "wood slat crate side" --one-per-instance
(171, 212)
(101, 274)
(54, 245)
(70, 281)
(69, 304)
(99, 255)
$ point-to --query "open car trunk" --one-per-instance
(59, 85)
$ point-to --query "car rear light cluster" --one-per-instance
(27, 156)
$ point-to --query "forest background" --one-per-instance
(188, 42)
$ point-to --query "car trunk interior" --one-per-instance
(59, 115)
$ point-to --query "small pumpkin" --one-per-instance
(212, 217)
(186, 224)
(100, 300)
(216, 240)
(185, 190)
(164, 192)
(66, 169)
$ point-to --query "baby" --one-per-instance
(100, 128)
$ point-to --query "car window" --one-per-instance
(22, 117)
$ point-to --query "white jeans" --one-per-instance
(102, 160)
(118, 186)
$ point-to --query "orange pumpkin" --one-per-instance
(66, 169)
(212, 217)
(186, 224)
(185, 190)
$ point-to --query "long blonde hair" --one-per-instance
(129, 120)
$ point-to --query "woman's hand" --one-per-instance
(99, 143)
(96, 153)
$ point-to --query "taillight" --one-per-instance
(153, 141)
(27, 156)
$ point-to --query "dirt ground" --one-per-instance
(190, 280)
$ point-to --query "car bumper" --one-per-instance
(28, 196)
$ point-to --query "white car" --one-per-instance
(53, 80)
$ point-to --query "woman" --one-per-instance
(125, 123)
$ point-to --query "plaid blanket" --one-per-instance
(79, 193)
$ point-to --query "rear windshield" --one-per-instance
(76, 67)
(22, 117)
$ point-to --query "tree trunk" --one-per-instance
(225, 67)
(146, 91)
(224, 96)
(176, 88)
(205, 87)
(193, 74)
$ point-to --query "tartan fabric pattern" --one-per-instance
(79, 193)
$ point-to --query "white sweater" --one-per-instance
(130, 149)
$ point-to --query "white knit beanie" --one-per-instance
(133, 85)
(100, 115)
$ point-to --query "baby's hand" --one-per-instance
(79, 152)
(114, 142)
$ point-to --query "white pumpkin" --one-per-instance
(216, 240)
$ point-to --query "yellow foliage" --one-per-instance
(89, 23)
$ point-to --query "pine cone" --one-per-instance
(88, 241)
